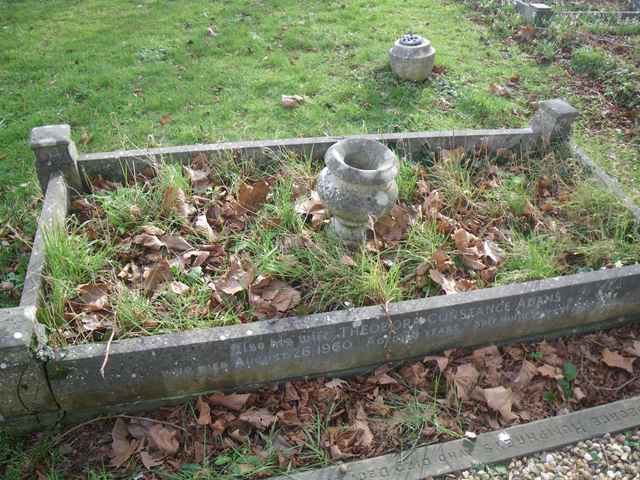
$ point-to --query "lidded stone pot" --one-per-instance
(412, 57)
(357, 183)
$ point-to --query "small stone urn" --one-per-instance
(412, 57)
(358, 182)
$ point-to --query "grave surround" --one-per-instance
(39, 385)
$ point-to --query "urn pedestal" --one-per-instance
(412, 57)
(357, 183)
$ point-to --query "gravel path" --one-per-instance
(604, 458)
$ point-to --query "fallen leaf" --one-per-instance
(500, 399)
(91, 322)
(202, 227)
(634, 349)
(447, 284)
(92, 297)
(312, 207)
(443, 262)
(292, 101)
(550, 371)
(164, 438)
(165, 119)
(154, 276)
(239, 277)
(499, 90)
(121, 447)
(176, 242)
(493, 252)
(234, 401)
(251, 197)
(149, 461)
(152, 230)
(175, 200)
(441, 361)
(260, 419)
(615, 360)
(178, 288)
(204, 412)
(527, 372)
(272, 297)
(348, 261)
(199, 179)
(465, 379)
(148, 241)
(393, 226)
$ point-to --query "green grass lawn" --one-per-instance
(113, 69)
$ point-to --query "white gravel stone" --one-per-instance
(610, 457)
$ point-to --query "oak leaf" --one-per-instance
(615, 360)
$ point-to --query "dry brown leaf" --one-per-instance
(499, 90)
(493, 252)
(615, 360)
(165, 119)
(312, 207)
(464, 239)
(163, 438)
(260, 419)
(148, 241)
(447, 284)
(156, 275)
(500, 399)
(292, 101)
(550, 371)
(121, 447)
(152, 230)
(204, 412)
(199, 178)
(251, 197)
(348, 261)
(441, 361)
(527, 371)
(393, 226)
(272, 297)
(465, 379)
(634, 348)
(234, 401)
(149, 461)
(178, 288)
(175, 200)
(93, 297)
(443, 262)
(176, 243)
(202, 227)
(239, 277)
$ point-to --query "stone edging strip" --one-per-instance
(487, 448)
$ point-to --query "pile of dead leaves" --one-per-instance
(458, 392)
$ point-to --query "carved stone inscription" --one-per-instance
(489, 447)
(385, 333)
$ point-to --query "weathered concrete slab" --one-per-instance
(54, 211)
(534, 13)
(112, 164)
(487, 448)
(192, 362)
(23, 387)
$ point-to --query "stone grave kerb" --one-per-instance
(554, 119)
(55, 151)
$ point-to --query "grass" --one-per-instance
(542, 212)
(112, 71)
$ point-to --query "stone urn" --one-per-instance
(412, 57)
(357, 183)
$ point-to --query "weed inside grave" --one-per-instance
(194, 246)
